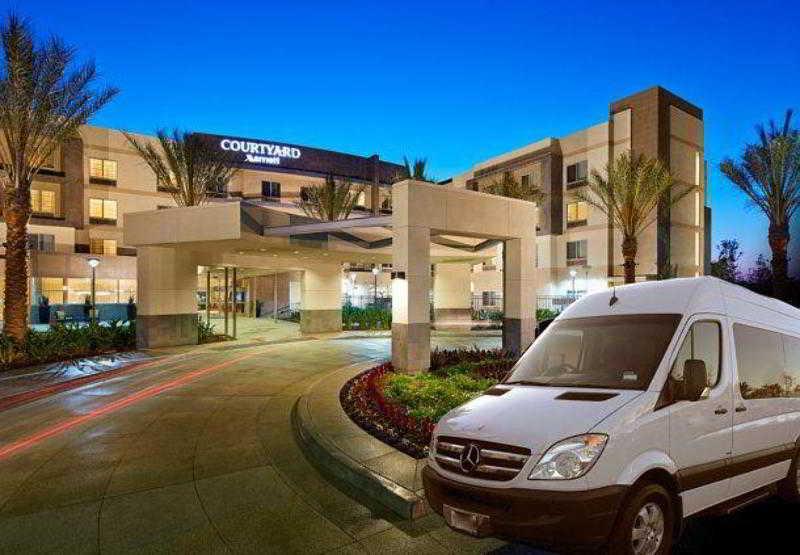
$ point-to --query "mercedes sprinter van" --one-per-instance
(635, 409)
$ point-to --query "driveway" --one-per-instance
(194, 454)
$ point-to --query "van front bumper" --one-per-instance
(546, 517)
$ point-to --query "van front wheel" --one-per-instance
(645, 524)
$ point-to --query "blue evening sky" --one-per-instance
(456, 82)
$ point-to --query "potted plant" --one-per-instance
(44, 310)
(131, 309)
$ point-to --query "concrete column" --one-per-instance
(411, 331)
(167, 294)
(452, 298)
(321, 305)
(519, 294)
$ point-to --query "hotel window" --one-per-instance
(52, 288)
(577, 172)
(102, 211)
(102, 171)
(270, 189)
(489, 298)
(42, 242)
(577, 213)
(43, 202)
(576, 251)
(103, 246)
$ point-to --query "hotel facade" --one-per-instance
(577, 249)
(80, 199)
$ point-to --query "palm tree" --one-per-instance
(186, 165)
(509, 186)
(331, 201)
(769, 174)
(416, 170)
(43, 102)
(628, 194)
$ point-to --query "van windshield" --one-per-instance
(614, 352)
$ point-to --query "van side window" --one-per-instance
(701, 343)
(760, 362)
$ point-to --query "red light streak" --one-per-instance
(146, 393)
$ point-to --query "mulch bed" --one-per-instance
(363, 400)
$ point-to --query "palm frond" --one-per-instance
(333, 200)
(511, 187)
(630, 190)
(185, 165)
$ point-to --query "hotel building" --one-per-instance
(577, 248)
(79, 201)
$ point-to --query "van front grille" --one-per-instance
(480, 459)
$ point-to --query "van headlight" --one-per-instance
(570, 458)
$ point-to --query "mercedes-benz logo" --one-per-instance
(470, 458)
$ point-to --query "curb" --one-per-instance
(337, 463)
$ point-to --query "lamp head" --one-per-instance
(93, 262)
(573, 273)
(375, 270)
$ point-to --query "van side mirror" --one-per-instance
(695, 379)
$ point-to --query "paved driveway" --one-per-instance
(193, 454)
(196, 454)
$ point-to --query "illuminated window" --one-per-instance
(696, 248)
(106, 291)
(103, 169)
(103, 246)
(127, 290)
(577, 212)
(102, 210)
(43, 202)
(78, 289)
(52, 288)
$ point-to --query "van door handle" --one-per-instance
(740, 408)
(721, 410)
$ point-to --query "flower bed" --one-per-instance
(402, 409)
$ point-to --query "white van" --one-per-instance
(635, 409)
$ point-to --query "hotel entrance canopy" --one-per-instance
(430, 224)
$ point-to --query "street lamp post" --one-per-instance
(94, 262)
(572, 274)
(375, 272)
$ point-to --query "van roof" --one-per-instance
(687, 295)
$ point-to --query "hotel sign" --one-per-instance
(261, 153)
(266, 155)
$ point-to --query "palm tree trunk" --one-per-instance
(778, 243)
(629, 248)
(17, 211)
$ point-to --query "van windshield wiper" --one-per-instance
(526, 382)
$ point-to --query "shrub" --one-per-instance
(205, 332)
(369, 318)
(545, 314)
(431, 396)
(64, 342)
